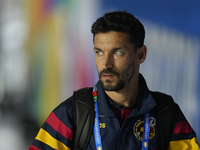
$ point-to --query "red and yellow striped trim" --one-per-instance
(59, 126)
(190, 144)
(46, 138)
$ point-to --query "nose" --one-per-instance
(108, 62)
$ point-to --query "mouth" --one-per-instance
(108, 76)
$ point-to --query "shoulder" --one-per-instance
(159, 96)
(64, 112)
(64, 106)
(57, 130)
(163, 101)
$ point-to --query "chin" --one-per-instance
(112, 87)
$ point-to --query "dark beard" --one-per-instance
(126, 76)
(109, 87)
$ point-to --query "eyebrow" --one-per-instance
(117, 48)
(114, 49)
(95, 48)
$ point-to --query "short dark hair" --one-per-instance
(121, 21)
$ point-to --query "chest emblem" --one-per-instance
(139, 128)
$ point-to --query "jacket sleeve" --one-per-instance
(183, 137)
(57, 130)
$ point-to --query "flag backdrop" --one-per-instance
(59, 51)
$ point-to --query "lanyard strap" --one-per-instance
(97, 135)
(145, 141)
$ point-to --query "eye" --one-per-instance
(99, 53)
(118, 53)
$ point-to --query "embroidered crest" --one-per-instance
(139, 128)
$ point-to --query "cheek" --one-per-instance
(126, 66)
(99, 62)
(122, 64)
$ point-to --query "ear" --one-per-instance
(141, 54)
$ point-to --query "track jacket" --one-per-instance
(117, 133)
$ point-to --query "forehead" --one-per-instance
(112, 38)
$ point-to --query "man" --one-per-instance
(126, 109)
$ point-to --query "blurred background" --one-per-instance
(46, 52)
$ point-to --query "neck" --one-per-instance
(126, 96)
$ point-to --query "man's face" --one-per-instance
(115, 59)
